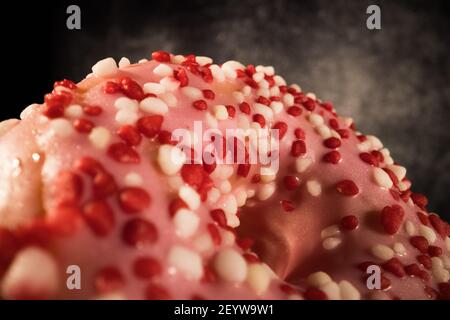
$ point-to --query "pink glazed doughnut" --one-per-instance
(93, 185)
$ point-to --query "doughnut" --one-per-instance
(134, 184)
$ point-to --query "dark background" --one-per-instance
(395, 82)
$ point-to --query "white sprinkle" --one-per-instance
(154, 106)
(170, 83)
(318, 279)
(188, 262)
(347, 121)
(177, 59)
(61, 88)
(192, 93)
(217, 73)
(297, 88)
(266, 191)
(126, 116)
(170, 99)
(133, 179)
(447, 243)
(230, 266)
(332, 290)
(348, 291)
(229, 69)
(375, 142)
(257, 278)
(381, 178)
(213, 195)
(275, 91)
(143, 61)
(211, 121)
(238, 96)
(61, 127)
(203, 242)
(279, 81)
(163, 70)
(276, 106)
(246, 90)
(316, 119)
(446, 261)
(225, 186)
(324, 131)
(190, 196)
(258, 76)
(382, 252)
(399, 171)
(21, 274)
(427, 232)
(330, 231)
(154, 88)
(399, 249)
(331, 243)
(265, 92)
(186, 223)
(310, 95)
(288, 99)
(124, 62)
(410, 228)
(105, 67)
(314, 188)
(126, 103)
(229, 206)
(73, 111)
(263, 110)
(302, 164)
(100, 137)
(241, 197)
(364, 146)
(170, 159)
(220, 112)
(202, 61)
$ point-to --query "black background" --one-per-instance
(395, 82)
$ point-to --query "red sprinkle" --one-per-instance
(343, 133)
(392, 218)
(156, 292)
(299, 133)
(259, 119)
(111, 87)
(108, 279)
(245, 243)
(92, 110)
(208, 94)
(419, 199)
(349, 223)
(281, 127)
(332, 143)
(420, 243)
(291, 182)
(434, 251)
(243, 169)
(200, 105)
(65, 83)
(298, 148)
(294, 111)
(347, 188)
(395, 267)
(440, 226)
(147, 267)
(424, 260)
(161, 56)
(133, 199)
(175, 205)
(333, 123)
(150, 126)
(121, 152)
(131, 89)
(67, 188)
(218, 215)
(99, 216)
(287, 205)
(231, 111)
(332, 157)
(129, 134)
(244, 107)
(83, 125)
(312, 293)
(193, 174)
(214, 233)
(368, 158)
(103, 185)
(139, 232)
